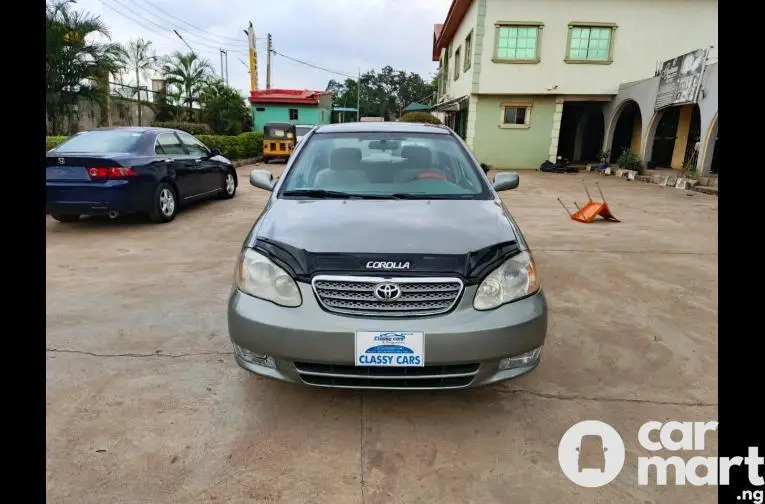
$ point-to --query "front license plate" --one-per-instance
(390, 349)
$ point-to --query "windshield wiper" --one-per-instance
(415, 196)
(320, 193)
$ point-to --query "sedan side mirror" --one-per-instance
(504, 181)
(262, 179)
(214, 152)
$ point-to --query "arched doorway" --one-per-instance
(709, 165)
(627, 131)
(678, 130)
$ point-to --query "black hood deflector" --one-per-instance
(470, 267)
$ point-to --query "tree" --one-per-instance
(139, 56)
(223, 109)
(420, 117)
(75, 68)
(187, 75)
(383, 93)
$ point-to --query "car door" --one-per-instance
(207, 171)
(169, 146)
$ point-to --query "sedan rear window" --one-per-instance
(385, 165)
(101, 142)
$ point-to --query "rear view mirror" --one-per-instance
(214, 152)
(262, 179)
(384, 145)
(504, 181)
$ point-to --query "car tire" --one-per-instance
(164, 204)
(66, 217)
(229, 186)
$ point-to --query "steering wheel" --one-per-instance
(431, 175)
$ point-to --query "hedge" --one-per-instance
(420, 117)
(243, 146)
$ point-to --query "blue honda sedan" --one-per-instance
(116, 171)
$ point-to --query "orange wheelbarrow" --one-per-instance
(590, 210)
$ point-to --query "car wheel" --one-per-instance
(165, 204)
(229, 186)
(66, 217)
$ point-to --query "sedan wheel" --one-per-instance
(165, 204)
(229, 186)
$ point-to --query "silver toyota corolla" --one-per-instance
(385, 259)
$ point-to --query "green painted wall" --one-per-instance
(513, 148)
(281, 113)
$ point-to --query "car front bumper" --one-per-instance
(463, 348)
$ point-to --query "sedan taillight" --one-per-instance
(110, 172)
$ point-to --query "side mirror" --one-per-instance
(214, 152)
(504, 181)
(262, 179)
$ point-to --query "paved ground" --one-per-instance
(146, 404)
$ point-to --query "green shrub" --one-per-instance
(188, 127)
(53, 141)
(243, 146)
(628, 160)
(420, 117)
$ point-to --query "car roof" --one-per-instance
(382, 127)
(135, 129)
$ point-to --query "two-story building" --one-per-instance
(524, 81)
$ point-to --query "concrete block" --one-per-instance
(645, 178)
(681, 183)
(658, 179)
(588, 167)
(690, 184)
(670, 181)
(607, 171)
(631, 174)
(619, 172)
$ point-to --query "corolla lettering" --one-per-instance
(388, 360)
(387, 265)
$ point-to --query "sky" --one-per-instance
(345, 36)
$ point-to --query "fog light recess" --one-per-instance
(254, 358)
(522, 360)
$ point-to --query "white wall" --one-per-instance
(462, 86)
(648, 30)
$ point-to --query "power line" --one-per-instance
(165, 28)
(169, 35)
(194, 27)
(312, 65)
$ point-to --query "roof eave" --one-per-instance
(457, 11)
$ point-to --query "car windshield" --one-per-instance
(302, 130)
(277, 132)
(101, 142)
(384, 165)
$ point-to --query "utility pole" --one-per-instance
(221, 64)
(184, 41)
(269, 48)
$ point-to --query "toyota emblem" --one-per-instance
(387, 291)
(61, 160)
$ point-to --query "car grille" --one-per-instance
(426, 377)
(356, 295)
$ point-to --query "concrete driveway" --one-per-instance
(146, 404)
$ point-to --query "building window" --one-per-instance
(515, 115)
(590, 43)
(260, 109)
(517, 42)
(457, 63)
(468, 51)
(293, 114)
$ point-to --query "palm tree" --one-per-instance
(76, 68)
(188, 75)
(139, 57)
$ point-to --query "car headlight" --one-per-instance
(515, 279)
(258, 276)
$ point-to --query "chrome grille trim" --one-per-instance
(354, 295)
(429, 377)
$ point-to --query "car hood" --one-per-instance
(453, 227)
